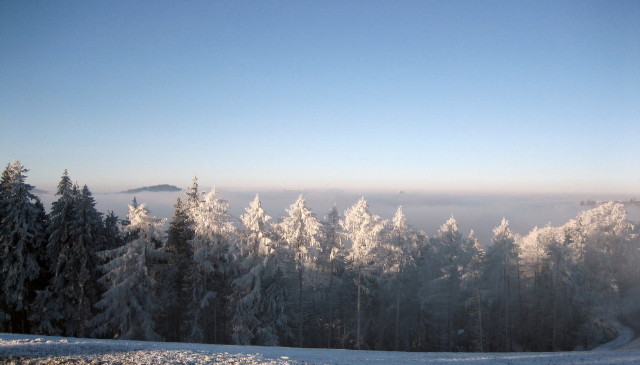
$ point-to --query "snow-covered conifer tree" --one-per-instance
(300, 231)
(21, 244)
(55, 306)
(400, 246)
(452, 255)
(331, 262)
(363, 231)
(472, 273)
(194, 196)
(208, 273)
(127, 307)
(500, 278)
(602, 243)
(87, 238)
(252, 249)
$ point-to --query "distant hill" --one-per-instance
(154, 189)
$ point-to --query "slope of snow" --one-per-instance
(28, 349)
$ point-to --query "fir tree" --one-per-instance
(500, 279)
(21, 242)
(252, 249)
(208, 283)
(401, 247)
(87, 233)
(128, 306)
(300, 230)
(112, 235)
(54, 305)
(172, 273)
(331, 262)
(363, 230)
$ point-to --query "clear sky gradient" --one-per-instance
(384, 95)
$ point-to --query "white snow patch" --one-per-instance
(41, 350)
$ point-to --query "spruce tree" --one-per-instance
(300, 231)
(75, 234)
(112, 235)
(500, 278)
(401, 247)
(172, 273)
(363, 230)
(208, 283)
(252, 249)
(21, 242)
(127, 308)
(331, 263)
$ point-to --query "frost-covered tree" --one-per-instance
(363, 231)
(194, 196)
(331, 263)
(500, 278)
(450, 294)
(602, 243)
(300, 231)
(449, 245)
(253, 246)
(208, 282)
(542, 255)
(54, 309)
(401, 249)
(60, 220)
(21, 244)
(127, 307)
(471, 283)
(275, 323)
(87, 233)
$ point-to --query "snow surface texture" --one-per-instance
(27, 349)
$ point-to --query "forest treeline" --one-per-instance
(347, 280)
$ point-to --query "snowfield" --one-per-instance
(29, 349)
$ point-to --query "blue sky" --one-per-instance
(368, 95)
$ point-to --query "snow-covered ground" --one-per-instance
(27, 349)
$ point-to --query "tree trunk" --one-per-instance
(555, 307)
(450, 317)
(300, 307)
(330, 300)
(507, 334)
(480, 320)
(397, 311)
(358, 312)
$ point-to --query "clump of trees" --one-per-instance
(345, 281)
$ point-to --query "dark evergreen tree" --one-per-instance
(75, 233)
(112, 235)
(87, 238)
(171, 272)
(21, 242)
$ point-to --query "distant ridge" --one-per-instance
(589, 202)
(154, 189)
